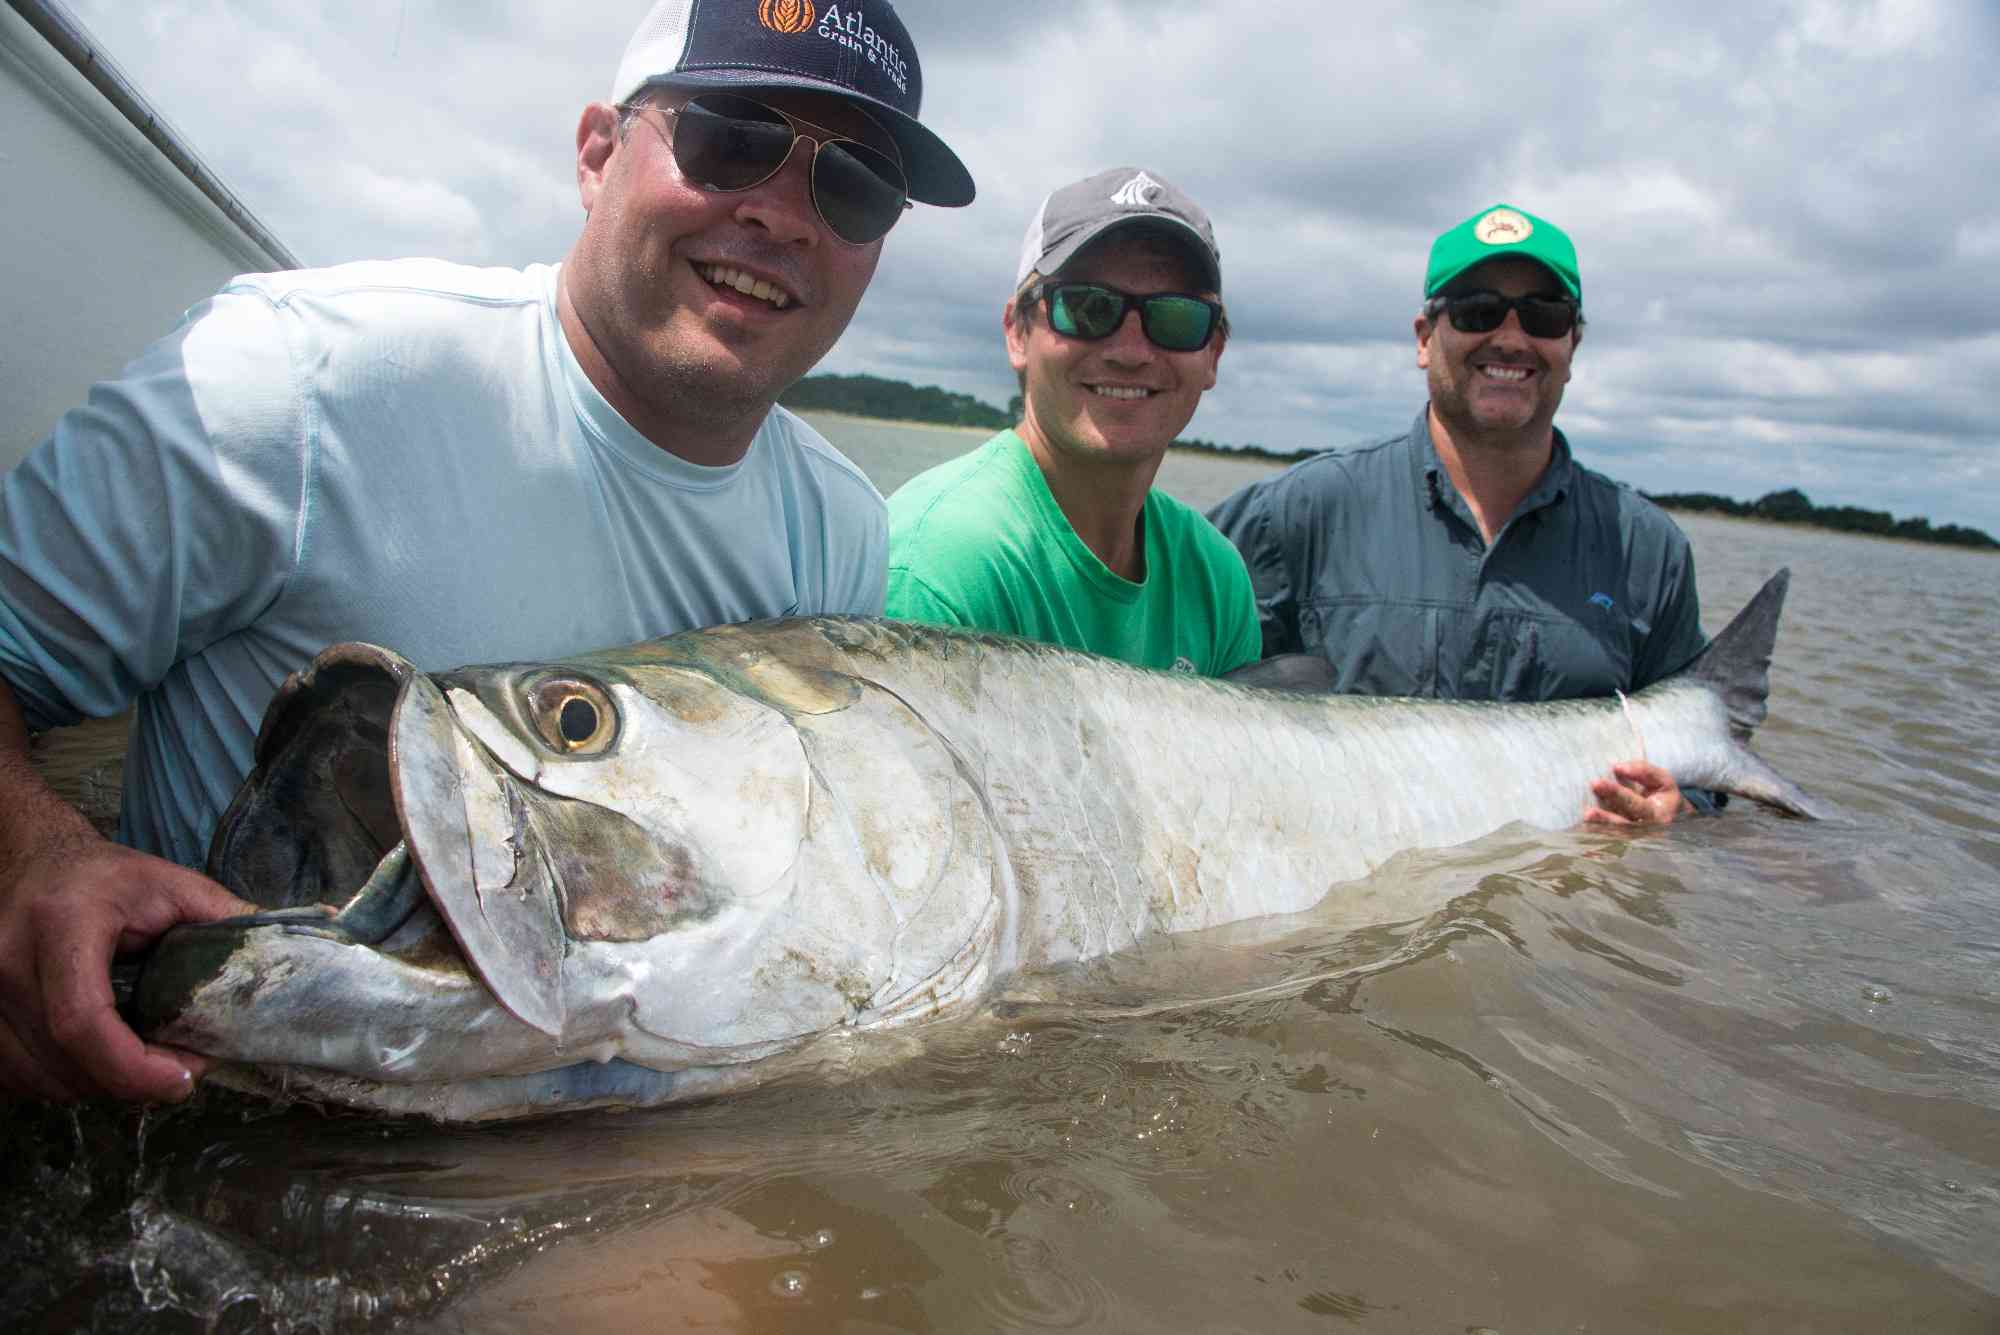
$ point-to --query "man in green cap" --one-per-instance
(1472, 557)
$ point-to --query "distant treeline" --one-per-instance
(1791, 506)
(900, 401)
(872, 396)
(1254, 450)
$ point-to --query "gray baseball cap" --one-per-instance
(1074, 216)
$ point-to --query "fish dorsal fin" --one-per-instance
(1286, 672)
(1737, 663)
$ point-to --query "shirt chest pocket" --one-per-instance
(1517, 656)
(1376, 648)
(1425, 649)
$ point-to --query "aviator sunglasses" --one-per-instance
(725, 143)
(1484, 312)
(1174, 321)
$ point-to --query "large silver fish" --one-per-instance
(685, 867)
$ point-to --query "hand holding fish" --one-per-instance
(1637, 792)
(69, 900)
(65, 908)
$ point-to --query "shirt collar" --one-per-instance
(1438, 490)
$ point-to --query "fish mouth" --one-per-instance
(387, 901)
(390, 914)
(360, 832)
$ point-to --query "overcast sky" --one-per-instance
(1787, 214)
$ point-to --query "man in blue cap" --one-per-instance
(1472, 557)
(466, 465)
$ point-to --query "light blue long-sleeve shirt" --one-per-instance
(402, 452)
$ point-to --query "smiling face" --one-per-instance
(1501, 387)
(1120, 399)
(691, 310)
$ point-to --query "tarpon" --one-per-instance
(685, 867)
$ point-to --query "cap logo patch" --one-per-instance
(786, 16)
(1503, 227)
(1137, 193)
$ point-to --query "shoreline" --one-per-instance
(1781, 525)
(1276, 461)
(983, 433)
(906, 424)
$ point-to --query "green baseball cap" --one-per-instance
(1502, 230)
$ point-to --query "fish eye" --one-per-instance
(573, 717)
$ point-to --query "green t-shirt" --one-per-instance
(979, 542)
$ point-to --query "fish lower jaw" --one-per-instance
(490, 1098)
(722, 275)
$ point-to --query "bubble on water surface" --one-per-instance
(1053, 1191)
(1043, 1291)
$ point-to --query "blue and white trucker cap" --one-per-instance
(857, 49)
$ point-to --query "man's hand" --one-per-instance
(65, 909)
(1636, 793)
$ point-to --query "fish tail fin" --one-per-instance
(1737, 667)
(1737, 663)
(1748, 776)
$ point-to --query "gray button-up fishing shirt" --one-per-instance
(1371, 557)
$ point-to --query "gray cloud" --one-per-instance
(1788, 214)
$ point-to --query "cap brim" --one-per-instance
(1464, 269)
(1054, 258)
(936, 175)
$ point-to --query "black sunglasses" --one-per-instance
(1175, 321)
(727, 143)
(1484, 312)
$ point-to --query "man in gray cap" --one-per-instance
(1053, 530)
(465, 465)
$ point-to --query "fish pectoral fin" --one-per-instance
(1286, 672)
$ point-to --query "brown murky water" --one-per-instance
(1741, 1075)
